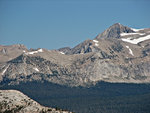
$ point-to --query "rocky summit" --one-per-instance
(120, 54)
(13, 101)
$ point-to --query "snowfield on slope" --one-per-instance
(130, 51)
(136, 30)
(96, 42)
(126, 34)
(33, 52)
(136, 41)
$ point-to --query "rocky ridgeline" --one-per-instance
(119, 54)
(13, 101)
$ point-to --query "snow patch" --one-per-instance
(126, 34)
(5, 70)
(40, 50)
(130, 51)
(62, 53)
(33, 52)
(36, 69)
(136, 41)
(96, 42)
(136, 30)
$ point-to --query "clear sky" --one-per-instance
(53, 24)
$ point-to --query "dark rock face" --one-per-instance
(82, 48)
(65, 49)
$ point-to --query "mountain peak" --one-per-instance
(114, 31)
(117, 24)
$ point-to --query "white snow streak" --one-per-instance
(62, 52)
(136, 29)
(136, 41)
(33, 52)
(126, 34)
(96, 42)
(5, 70)
(40, 50)
(36, 69)
(130, 51)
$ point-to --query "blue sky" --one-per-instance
(53, 24)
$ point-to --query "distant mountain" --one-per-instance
(10, 52)
(13, 101)
(114, 31)
(64, 50)
(119, 54)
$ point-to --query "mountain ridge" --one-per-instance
(119, 54)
